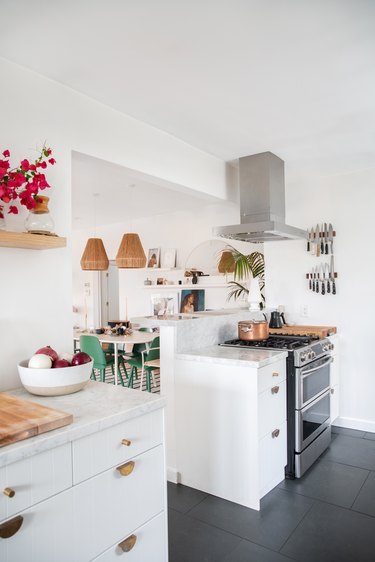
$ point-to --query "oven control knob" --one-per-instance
(303, 357)
(331, 346)
(313, 355)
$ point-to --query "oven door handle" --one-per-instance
(307, 373)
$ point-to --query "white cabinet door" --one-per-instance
(47, 534)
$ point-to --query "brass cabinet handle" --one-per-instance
(126, 442)
(275, 389)
(275, 374)
(9, 492)
(128, 543)
(275, 433)
(126, 469)
(10, 527)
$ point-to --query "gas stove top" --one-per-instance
(274, 342)
(304, 349)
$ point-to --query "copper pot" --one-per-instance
(253, 330)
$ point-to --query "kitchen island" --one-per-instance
(91, 490)
(226, 415)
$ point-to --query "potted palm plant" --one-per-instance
(243, 267)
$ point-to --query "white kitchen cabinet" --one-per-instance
(80, 511)
(231, 428)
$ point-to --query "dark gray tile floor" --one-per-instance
(328, 515)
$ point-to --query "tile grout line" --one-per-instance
(296, 527)
(355, 499)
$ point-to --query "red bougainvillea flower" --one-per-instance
(23, 182)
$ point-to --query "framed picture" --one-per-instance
(164, 305)
(192, 300)
(168, 257)
(153, 257)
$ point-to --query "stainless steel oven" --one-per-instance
(312, 380)
(312, 420)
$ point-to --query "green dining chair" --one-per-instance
(91, 346)
(138, 362)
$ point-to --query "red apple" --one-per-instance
(48, 351)
(80, 358)
(60, 363)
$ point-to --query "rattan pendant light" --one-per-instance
(94, 257)
(130, 253)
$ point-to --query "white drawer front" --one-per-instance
(112, 506)
(150, 544)
(99, 452)
(34, 479)
(272, 458)
(271, 408)
(271, 375)
(47, 534)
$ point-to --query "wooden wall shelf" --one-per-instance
(29, 241)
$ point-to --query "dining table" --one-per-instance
(128, 340)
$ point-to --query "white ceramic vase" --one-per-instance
(254, 297)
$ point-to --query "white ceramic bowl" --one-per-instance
(54, 382)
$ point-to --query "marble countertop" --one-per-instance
(233, 356)
(181, 318)
(96, 407)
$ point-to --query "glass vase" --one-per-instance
(39, 220)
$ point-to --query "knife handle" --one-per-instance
(326, 249)
(333, 287)
(323, 288)
(328, 286)
(321, 247)
(308, 245)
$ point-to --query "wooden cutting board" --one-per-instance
(320, 331)
(20, 419)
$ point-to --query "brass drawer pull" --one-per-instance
(9, 492)
(126, 469)
(126, 442)
(275, 433)
(128, 543)
(275, 389)
(275, 374)
(10, 528)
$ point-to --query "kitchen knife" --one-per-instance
(330, 236)
(323, 280)
(322, 241)
(308, 240)
(312, 242)
(317, 279)
(327, 276)
(325, 239)
(332, 275)
(317, 240)
(313, 279)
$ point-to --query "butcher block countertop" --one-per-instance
(296, 330)
(96, 407)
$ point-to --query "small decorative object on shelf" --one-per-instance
(39, 220)
(24, 182)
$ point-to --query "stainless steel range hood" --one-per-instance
(262, 202)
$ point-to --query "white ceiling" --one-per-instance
(232, 77)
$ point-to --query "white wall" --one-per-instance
(36, 286)
(348, 202)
